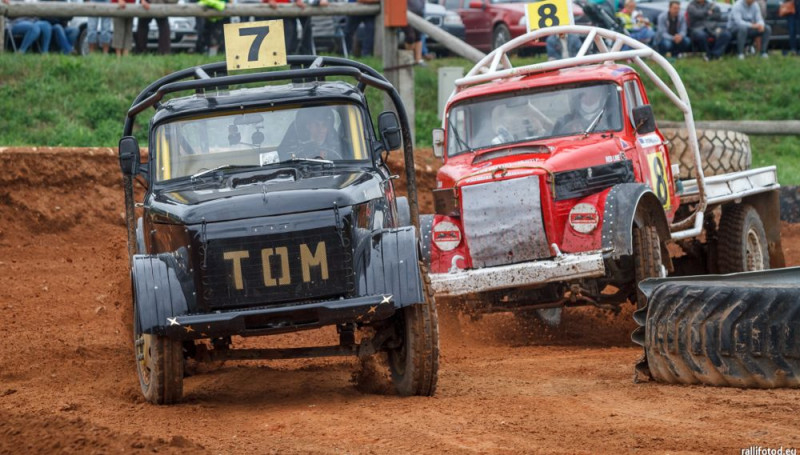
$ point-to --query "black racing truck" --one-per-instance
(268, 208)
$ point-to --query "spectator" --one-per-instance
(671, 34)
(289, 24)
(636, 23)
(307, 37)
(746, 22)
(704, 18)
(122, 40)
(212, 27)
(369, 29)
(31, 29)
(143, 28)
(65, 35)
(562, 46)
(413, 37)
(793, 22)
(103, 37)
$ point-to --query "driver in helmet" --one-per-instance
(312, 135)
(589, 104)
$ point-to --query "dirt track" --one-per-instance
(68, 383)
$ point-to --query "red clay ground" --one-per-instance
(68, 384)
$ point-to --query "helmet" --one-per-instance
(591, 101)
(321, 114)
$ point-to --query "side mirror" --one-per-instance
(129, 155)
(476, 4)
(389, 127)
(643, 119)
(438, 142)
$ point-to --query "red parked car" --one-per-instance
(491, 23)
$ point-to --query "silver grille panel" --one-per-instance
(503, 222)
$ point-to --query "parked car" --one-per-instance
(491, 23)
(780, 31)
(449, 21)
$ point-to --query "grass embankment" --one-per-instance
(68, 101)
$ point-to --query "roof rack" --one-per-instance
(496, 66)
(215, 76)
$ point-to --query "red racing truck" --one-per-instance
(557, 186)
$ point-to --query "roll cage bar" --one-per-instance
(302, 68)
(496, 66)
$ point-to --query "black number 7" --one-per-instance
(260, 33)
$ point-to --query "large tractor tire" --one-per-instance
(723, 333)
(742, 241)
(721, 151)
(414, 365)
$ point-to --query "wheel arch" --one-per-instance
(626, 204)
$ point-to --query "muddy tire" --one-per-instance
(724, 334)
(646, 258)
(159, 365)
(425, 239)
(414, 366)
(742, 241)
(721, 151)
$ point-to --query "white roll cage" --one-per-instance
(497, 66)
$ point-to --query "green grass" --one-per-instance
(55, 100)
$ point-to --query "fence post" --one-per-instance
(2, 34)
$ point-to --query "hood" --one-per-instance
(241, 196)
(553, 155)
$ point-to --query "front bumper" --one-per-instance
(566, 267)
(264, 321)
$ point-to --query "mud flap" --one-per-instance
(389, 265)
(158, 293)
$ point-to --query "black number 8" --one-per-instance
(661, 185)
(547, 12)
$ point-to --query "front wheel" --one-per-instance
(646, 258)
(414, 365)
(159, 365)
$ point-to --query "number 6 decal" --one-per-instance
(548, 13)
(254, 45)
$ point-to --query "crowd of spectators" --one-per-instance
(699, 28)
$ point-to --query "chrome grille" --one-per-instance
(503, 222)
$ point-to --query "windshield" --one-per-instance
(254, 138)
(563, 110)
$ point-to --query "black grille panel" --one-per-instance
(278, 268)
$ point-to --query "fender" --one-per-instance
(624, 203)
(390, 265)
(159, 292)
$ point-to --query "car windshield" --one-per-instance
(563, 110)
(255, 138)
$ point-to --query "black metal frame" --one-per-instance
(304, 67)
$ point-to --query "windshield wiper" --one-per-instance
(307, 160)
(218, 168)
(594, 123)
(458, 138)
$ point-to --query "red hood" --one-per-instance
(568, 153)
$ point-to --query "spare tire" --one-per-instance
(720, 333)
(722, 151)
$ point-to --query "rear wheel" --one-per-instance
(414, 365)
(742, 245)
(159, 365)
(646, 258)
